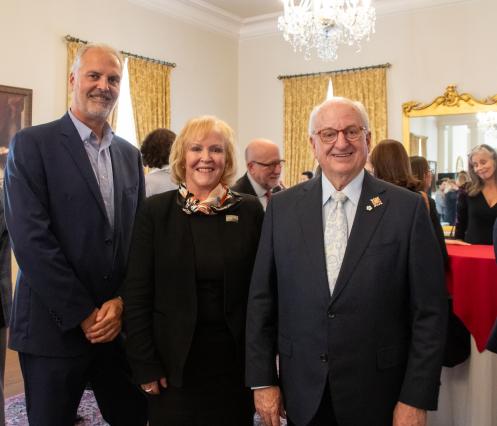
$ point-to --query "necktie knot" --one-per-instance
(339, 197)
(268, 194)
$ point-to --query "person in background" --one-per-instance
(186, 292)
(463, 180)
(72, 189)
(421, 171)
(155, 151)
(344, 293)
(492, 340)
(5, 295)
(305, 176)
(451, 195)
(391, 164)
(264, 166)
(440, 199)
(477, 209)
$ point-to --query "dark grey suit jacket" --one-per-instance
(379, 338)
(71, 260)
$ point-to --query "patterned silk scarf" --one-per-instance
(219, 199)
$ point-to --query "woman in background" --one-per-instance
(155, 151)
(421, 171)
(391, 163)
(187, 284)
(477, 209)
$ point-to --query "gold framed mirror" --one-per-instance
(445, 130)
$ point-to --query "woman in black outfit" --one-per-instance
(391, 163)
(190, 265)
(477, 209)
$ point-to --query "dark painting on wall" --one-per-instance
(15, 114)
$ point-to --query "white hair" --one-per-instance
(358, 106)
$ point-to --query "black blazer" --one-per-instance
(379, 338)
(70, 259)
(160, 288)
(243, 186)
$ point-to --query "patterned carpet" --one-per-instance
(15, 411)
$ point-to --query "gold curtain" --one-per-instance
(150, 95)
(72, 49)
(302, 93)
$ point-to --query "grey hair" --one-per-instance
(85, 47)
(358, 106)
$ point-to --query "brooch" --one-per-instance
(232, 218)
(376, 202)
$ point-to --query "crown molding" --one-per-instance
(203, 14)
(196, 12)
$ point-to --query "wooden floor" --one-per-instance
(13, 378)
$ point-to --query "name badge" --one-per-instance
(232, 218)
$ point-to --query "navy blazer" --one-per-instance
(70, 259)
(379, 337)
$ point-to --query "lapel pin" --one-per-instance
(376, 201)
(369, 208)
(232, 218)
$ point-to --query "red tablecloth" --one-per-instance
(472, 282)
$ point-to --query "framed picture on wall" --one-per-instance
(15, 114)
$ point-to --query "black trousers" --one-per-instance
(325, 415)
(54, 387)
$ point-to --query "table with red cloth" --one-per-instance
(467, 392)
(472, 282)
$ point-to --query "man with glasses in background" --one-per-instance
(347, 290)
(264, 166)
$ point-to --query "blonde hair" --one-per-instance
(196, 129)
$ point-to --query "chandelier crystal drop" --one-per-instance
(325, 24)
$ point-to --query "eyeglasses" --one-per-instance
(330, 135)
(271, 165)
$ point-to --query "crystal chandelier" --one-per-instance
(488, 122)
(325, 24)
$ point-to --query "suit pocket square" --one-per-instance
(232, 218)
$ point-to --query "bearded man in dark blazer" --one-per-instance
(348, 291)
(72, 189)
(264, 166)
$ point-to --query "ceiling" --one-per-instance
(252, 18)
(248, 8)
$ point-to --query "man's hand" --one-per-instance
(269, 405)
(152, 388)
(406, 415)
(108, 322)
(88, 322)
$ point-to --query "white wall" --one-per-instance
(34, 53)
(428, 50)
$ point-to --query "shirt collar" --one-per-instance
(86, 134)
(259, 190)
(352, 190)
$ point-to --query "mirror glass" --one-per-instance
(445, 130)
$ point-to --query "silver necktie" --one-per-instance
(335, 238)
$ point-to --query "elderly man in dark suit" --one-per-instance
(72, 191)
(492, 341)
(348, 290)
(263, 171)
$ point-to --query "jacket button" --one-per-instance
(323, 358)
(106, 277)
(331, 315)
(108, 241)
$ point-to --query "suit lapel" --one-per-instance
(73, 143)
(116, 158)
(365, 222)
(310, 217)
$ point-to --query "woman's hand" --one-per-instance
(152, 388)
